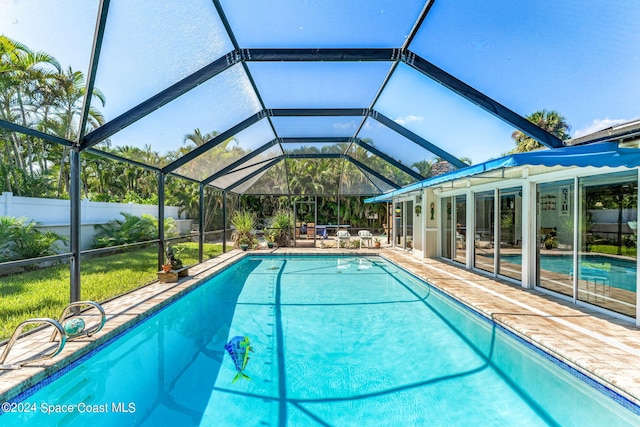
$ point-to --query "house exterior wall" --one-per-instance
(603, 222)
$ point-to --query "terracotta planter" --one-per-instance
(166, 268)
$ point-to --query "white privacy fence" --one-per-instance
(54, 214)
(56, 211)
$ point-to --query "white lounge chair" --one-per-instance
(344, 235)
(344, 263)
(365, 235)
(364, 264)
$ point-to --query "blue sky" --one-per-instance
(581, 61)
(579, 58)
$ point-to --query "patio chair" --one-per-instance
(311, 230)
(344, 235)
(548, 237)
(344, 264)
(364, 264)
(365, 235)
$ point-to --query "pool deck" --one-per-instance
(602, 347)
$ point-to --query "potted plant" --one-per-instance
(376, 242)
(271, 241)
(244, 243)
(244, 223)
(173, 260)
(551, 241)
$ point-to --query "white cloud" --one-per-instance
(598, 124)
(408, 119)
(346, 125)
(373, 124)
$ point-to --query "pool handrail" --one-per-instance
(58, 329)
(86, 332)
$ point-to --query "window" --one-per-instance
(510, 251)
(554, 236)
(484, 231)
(608, 241)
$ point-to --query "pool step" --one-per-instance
(74, 388)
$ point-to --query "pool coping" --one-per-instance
(505, 310)
(146, 301)
(567, 340)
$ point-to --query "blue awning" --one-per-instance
(605, 154)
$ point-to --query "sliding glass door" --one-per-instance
(446, 234)
(453, 238)
(403, 224)
(484, 231)
(510, 251)
(554, 236)
(460, 215)
(608, 241)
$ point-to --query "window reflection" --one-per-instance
(555, 236)
(403, 224)
(445, 208)
(484, 231)
(511, 233)
(398, 225)
(408, 243)
(608, 242)
(461, 228)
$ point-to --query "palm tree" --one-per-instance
(23, 74)
(551, 121)
(66, 104)
(466, 160)
(198, 138)
(423, 167)
(35, 92)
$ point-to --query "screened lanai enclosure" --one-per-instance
(295, 98)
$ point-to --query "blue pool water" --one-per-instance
(338, 341)
(620, 273)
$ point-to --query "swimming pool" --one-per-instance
(337, 340)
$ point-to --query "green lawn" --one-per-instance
(613, 250)
(45, 292)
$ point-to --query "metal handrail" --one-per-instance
(117, 247)
(28, 261)
(85, 332)
(16, 333)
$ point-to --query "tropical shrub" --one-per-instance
(244, 223)
(22, 240)
(280, 226)
(131, 230)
